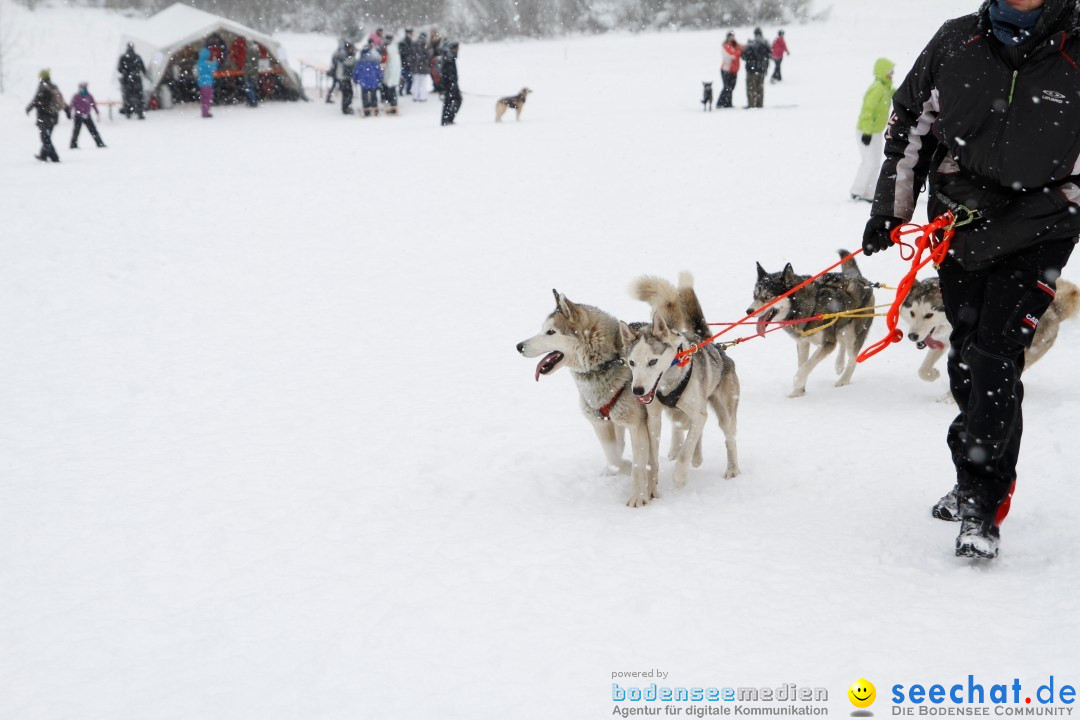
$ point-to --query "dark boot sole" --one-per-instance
(969, 551)
(944, 514)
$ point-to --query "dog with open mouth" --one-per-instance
(924, 313)
(707, 380)
(844, 291)
(586, 340)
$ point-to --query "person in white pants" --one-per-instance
(873, 117)
(420, 87)
(871, 148)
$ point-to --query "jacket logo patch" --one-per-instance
(1053, 96)
(1033, 322)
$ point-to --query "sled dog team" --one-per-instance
(628, 375)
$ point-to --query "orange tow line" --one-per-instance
(936, 250)
(683, 357)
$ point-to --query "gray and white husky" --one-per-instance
(586, 340)
(709, 378)
(924, 313)
(832, 292)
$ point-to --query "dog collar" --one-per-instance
(604, 413)
(606, 365)
(673, 399)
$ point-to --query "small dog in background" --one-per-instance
(928, 328)
(706, 100)
(514, 102)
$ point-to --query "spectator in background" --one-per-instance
(332, 73)
(251, 74)
(369, 76)
(344, 75)
(779, 50)
(376, 38)
(81, 104)
(451, 89)
(391, 75)
(729, 69)
(873, 117)
(218, 49)
(420, 68)
(48, 102)
(132, 70)
(405, 53)
(238, 53)
(756, 56)
(204, 71)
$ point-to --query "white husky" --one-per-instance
(924, 313)
(587, 340)
(708, 379)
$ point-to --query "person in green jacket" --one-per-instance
(874, 116)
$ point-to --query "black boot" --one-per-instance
(978, 539)
(947, 507)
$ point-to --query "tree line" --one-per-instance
(484, 19)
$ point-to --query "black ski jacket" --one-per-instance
(131, 68)
(993, 127)
(755, 56)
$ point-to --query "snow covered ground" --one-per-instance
(267, 450)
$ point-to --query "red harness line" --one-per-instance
(927, 241)
(683, 357)
(936, 251)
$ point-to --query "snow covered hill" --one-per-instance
(267, 449)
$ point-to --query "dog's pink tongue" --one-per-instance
(933, 343)
(545, 361)
(761, 325)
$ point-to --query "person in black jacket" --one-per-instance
(755, 57)
(132, 70)
(988, 115)
(450, 88)
(405, 51)
(48, 102)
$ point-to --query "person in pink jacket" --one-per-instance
(82, 103)
(779, 50)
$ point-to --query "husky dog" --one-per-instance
(708, 379)
(514, 102)
(587, 340)
(924, 313)
(706, 98)
(832, 292)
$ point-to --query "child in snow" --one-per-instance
(82, 103)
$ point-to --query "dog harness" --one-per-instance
(672, 399)
(604, 413)
(513, 101)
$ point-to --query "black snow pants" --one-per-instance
(48, 152)
(89, 123)
(451, 105)
(346, 96)
(994, 314)
(724, 101)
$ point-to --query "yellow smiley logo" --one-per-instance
(862, 693)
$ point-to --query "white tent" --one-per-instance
(170, 40)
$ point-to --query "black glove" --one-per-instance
(866, 139)
(876, 235)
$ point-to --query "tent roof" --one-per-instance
(181, 24)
